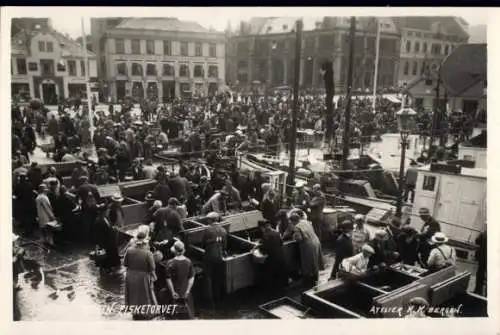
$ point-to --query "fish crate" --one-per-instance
(137, 189)
(339, 299)
(286, 309)
(64, 169)
(239, 268)
(388, 279)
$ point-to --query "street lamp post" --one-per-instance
(405, 124)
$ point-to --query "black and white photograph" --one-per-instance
(224, 165)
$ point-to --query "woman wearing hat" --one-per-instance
(441, 255)
(140, 272)
(180, 279)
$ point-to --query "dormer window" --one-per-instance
(269, 29)
(285, 27)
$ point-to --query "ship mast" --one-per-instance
(347, 124)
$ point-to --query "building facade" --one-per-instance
(262, 51)
(48, 65)
(158, 58)
(425, 43)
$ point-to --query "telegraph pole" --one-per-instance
(330, 89)
(436, 120)
(295, 110)
(347, 124)
(87, 82)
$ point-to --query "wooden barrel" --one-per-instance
(329, 219)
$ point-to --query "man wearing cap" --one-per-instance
(274, 267)
(162, 191)
(317, 205)
(358, 264)
(79, 171)
(234, 198)
(171, 218)
(301, 198)
(180, 279)
(344, 247)
(429, 228)
(270, 207)
(215, 244)
(106, 238)
(88, 196)
(442, 255)
(381, 256)
(45, 213)
(205, 190)
(360, 234)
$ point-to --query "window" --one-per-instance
(429, 183)
(119, 46)
(198, 49)
(417, 46)
(436, 49)
(446, 50)
(47, 66)
(82, 65)
(136, 47)
(468, 158)
(168, 70)
(212, 50)
(408, 46)
(50, 47)
(184, 70)
(167, 48)
(136, 69)
(184, 49)
(424, 48)
(150, 47)
(121, 69)
(422, 69)
(213, 71)
(21, 66)
(414, 71)
(41, 46)
(406, 68)
(198, 71)
(151, 69)
(33, 66)
(61, 66)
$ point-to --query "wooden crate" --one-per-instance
(284, 308)
(444, 291)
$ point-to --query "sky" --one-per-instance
(65, 20)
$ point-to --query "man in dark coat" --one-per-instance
(269, 207)
(89, 197)
(429, 228)
(317, 205)
(482, 262)
(343, 247)
(24, 204)
(161, 191)
(177, 186)
(274, 267)
(35, 174)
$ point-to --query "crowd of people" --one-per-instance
(124, 146)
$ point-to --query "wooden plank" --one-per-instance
(243, 221)
(438, 277)
(441, 293)
(137, 189)
(402, 299)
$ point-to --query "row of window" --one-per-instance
(167, 48)
(419, 34)
(47, 67)
(435, 48)
(44, 46)
(167, 70)
(414, 68)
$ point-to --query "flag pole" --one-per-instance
(377, 54)
(87, 82)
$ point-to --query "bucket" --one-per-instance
(329, 219)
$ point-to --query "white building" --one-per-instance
(158, 57)
(47, 65)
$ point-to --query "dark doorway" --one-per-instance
(49, 94)
(121, 90)
(168, 90)
(137, 91)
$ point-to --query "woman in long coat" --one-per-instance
(140, 274)
(310, 249)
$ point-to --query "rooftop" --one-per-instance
(69, 46)
(466, 172)
(464, 68)
(280, 25)
(163, 23)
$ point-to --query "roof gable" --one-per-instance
(162, 23)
